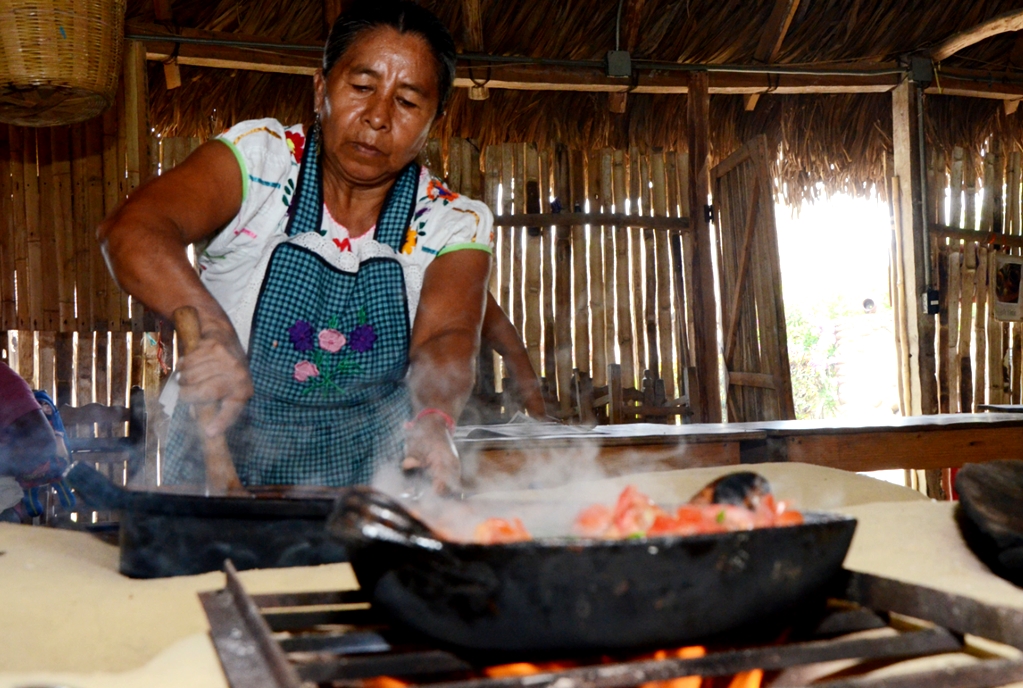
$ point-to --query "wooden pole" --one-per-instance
(33, 275)
(533, 316)
(995, 389)
(580, 301)
(636, 241)
(547, 239)
(920, 344)
(705, 344)
(968, 287)
(518, 236)
(622, 298)
(8, 312)
(607, 232)
(595, 246)
(49, 268)
(64, 228)
(563, 287)
(979, 339)
(663, 270)
(649, 273)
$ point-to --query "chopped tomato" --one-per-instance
(592, 521)
(789, 518)
(498, 530)
(634, 513)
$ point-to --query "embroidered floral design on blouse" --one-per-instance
(296, 144)
(435, 190)
(343, 244)
(330, 352)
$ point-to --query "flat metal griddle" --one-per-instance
(176, 533)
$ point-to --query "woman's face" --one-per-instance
(377, 105)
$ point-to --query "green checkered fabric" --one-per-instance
(326, 411)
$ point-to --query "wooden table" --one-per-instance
(920, 442)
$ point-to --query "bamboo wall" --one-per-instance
(65, 326)
(980, 359)
(585, 297)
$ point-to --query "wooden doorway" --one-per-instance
(756, 357)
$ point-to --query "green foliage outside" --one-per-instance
(812, 349)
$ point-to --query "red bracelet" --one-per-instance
(449, 422)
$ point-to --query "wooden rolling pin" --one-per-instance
(220, 473)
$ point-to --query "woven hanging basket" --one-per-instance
(60, 60)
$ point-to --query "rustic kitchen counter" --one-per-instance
(68, 618)
(939, 441)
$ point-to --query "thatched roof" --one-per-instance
(839, 141)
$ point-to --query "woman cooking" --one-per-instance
(342, 287)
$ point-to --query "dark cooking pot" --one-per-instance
(557, 594)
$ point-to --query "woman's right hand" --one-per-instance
(216, 372)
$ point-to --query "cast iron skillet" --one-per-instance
(990, 517)
(559, 594)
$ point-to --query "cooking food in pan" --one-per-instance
(572, 593)
(738, 501)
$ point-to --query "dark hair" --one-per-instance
(403, 16)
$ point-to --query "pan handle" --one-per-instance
(365, 514)
(94, 488)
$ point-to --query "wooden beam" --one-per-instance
(543, 220)
(771, 40)
(162, 10)
(986, 238)
(473, 25)
(331, 11)
(777, 26)
(260, 54)
(708, 394)
(630, 24)
(1003, 23)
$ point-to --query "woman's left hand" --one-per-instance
(430, 447)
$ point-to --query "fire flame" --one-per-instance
(746, 679)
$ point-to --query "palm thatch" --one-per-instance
(826, 143)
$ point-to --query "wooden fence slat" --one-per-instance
(100, 383)
(663, 269)
(94, 206)
(994, 341)
(26, 357)
(955, 276)
(623, 301)
(507, 236)
(563, 286)
(61, 199)
(547, 241)
(518, 234)
(943, 301)
(1012, 195)
(649, 273)
(49, 267)
(33, 282)
(47, 364)
(969, 192)
(80, 228)
(119, 369)
(980, 343)
(606, 199)
(19, 236)
(65, 367)
(580, 300)
(596, 245)
(956, 189)
(8, 312)
(636, 254)
(533, 316)
(492, 178)
(968, 286)
(685, 287)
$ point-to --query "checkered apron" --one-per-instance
(328, 354)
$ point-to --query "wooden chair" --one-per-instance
(112, 438)
(649, 405)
